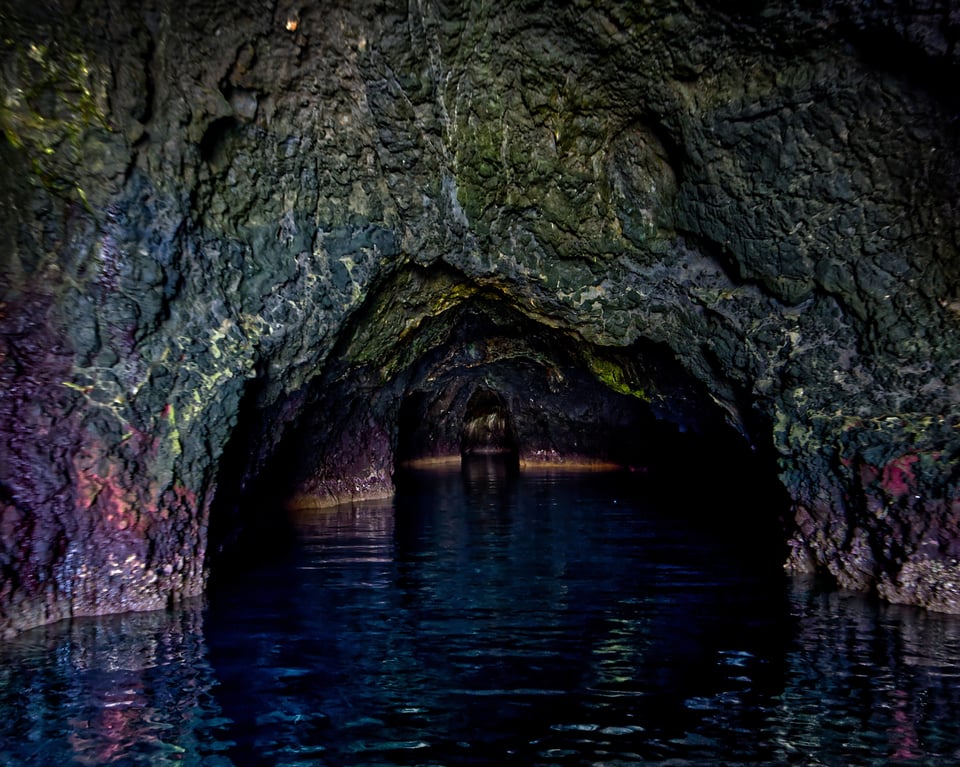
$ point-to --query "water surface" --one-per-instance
(478, 619)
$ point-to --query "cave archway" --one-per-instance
(487, 427)
(470, 377)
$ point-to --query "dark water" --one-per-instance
(549, 620)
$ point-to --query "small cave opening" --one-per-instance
(215, 138)
(487, 426)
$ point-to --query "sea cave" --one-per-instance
(268, 255)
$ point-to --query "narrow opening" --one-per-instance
(214, 138)
(487, 428)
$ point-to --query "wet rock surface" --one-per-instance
(257, 248)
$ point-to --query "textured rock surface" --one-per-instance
(252, 245)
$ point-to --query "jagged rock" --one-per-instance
(276, 248)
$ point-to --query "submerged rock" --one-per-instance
(255, 251)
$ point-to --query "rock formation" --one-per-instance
(258, 246)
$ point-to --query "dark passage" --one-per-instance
(477, 378)
(487, 427)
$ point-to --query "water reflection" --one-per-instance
(483, 620)
(886, 677)
(130, 689)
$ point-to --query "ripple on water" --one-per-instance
(532, 625)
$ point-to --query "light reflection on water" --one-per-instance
(483, 620)
(130, 689)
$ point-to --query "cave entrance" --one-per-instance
(477, 383)
(487, 427)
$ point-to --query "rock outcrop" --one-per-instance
(256, 246)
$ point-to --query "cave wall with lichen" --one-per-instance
(226, 220)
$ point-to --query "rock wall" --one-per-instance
(225, 220)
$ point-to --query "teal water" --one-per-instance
(482, 619)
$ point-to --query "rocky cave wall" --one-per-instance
(222, 221)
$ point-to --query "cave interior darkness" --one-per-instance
(436, 370)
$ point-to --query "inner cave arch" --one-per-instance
(482, 419)
(487, 427)
(434, 368)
